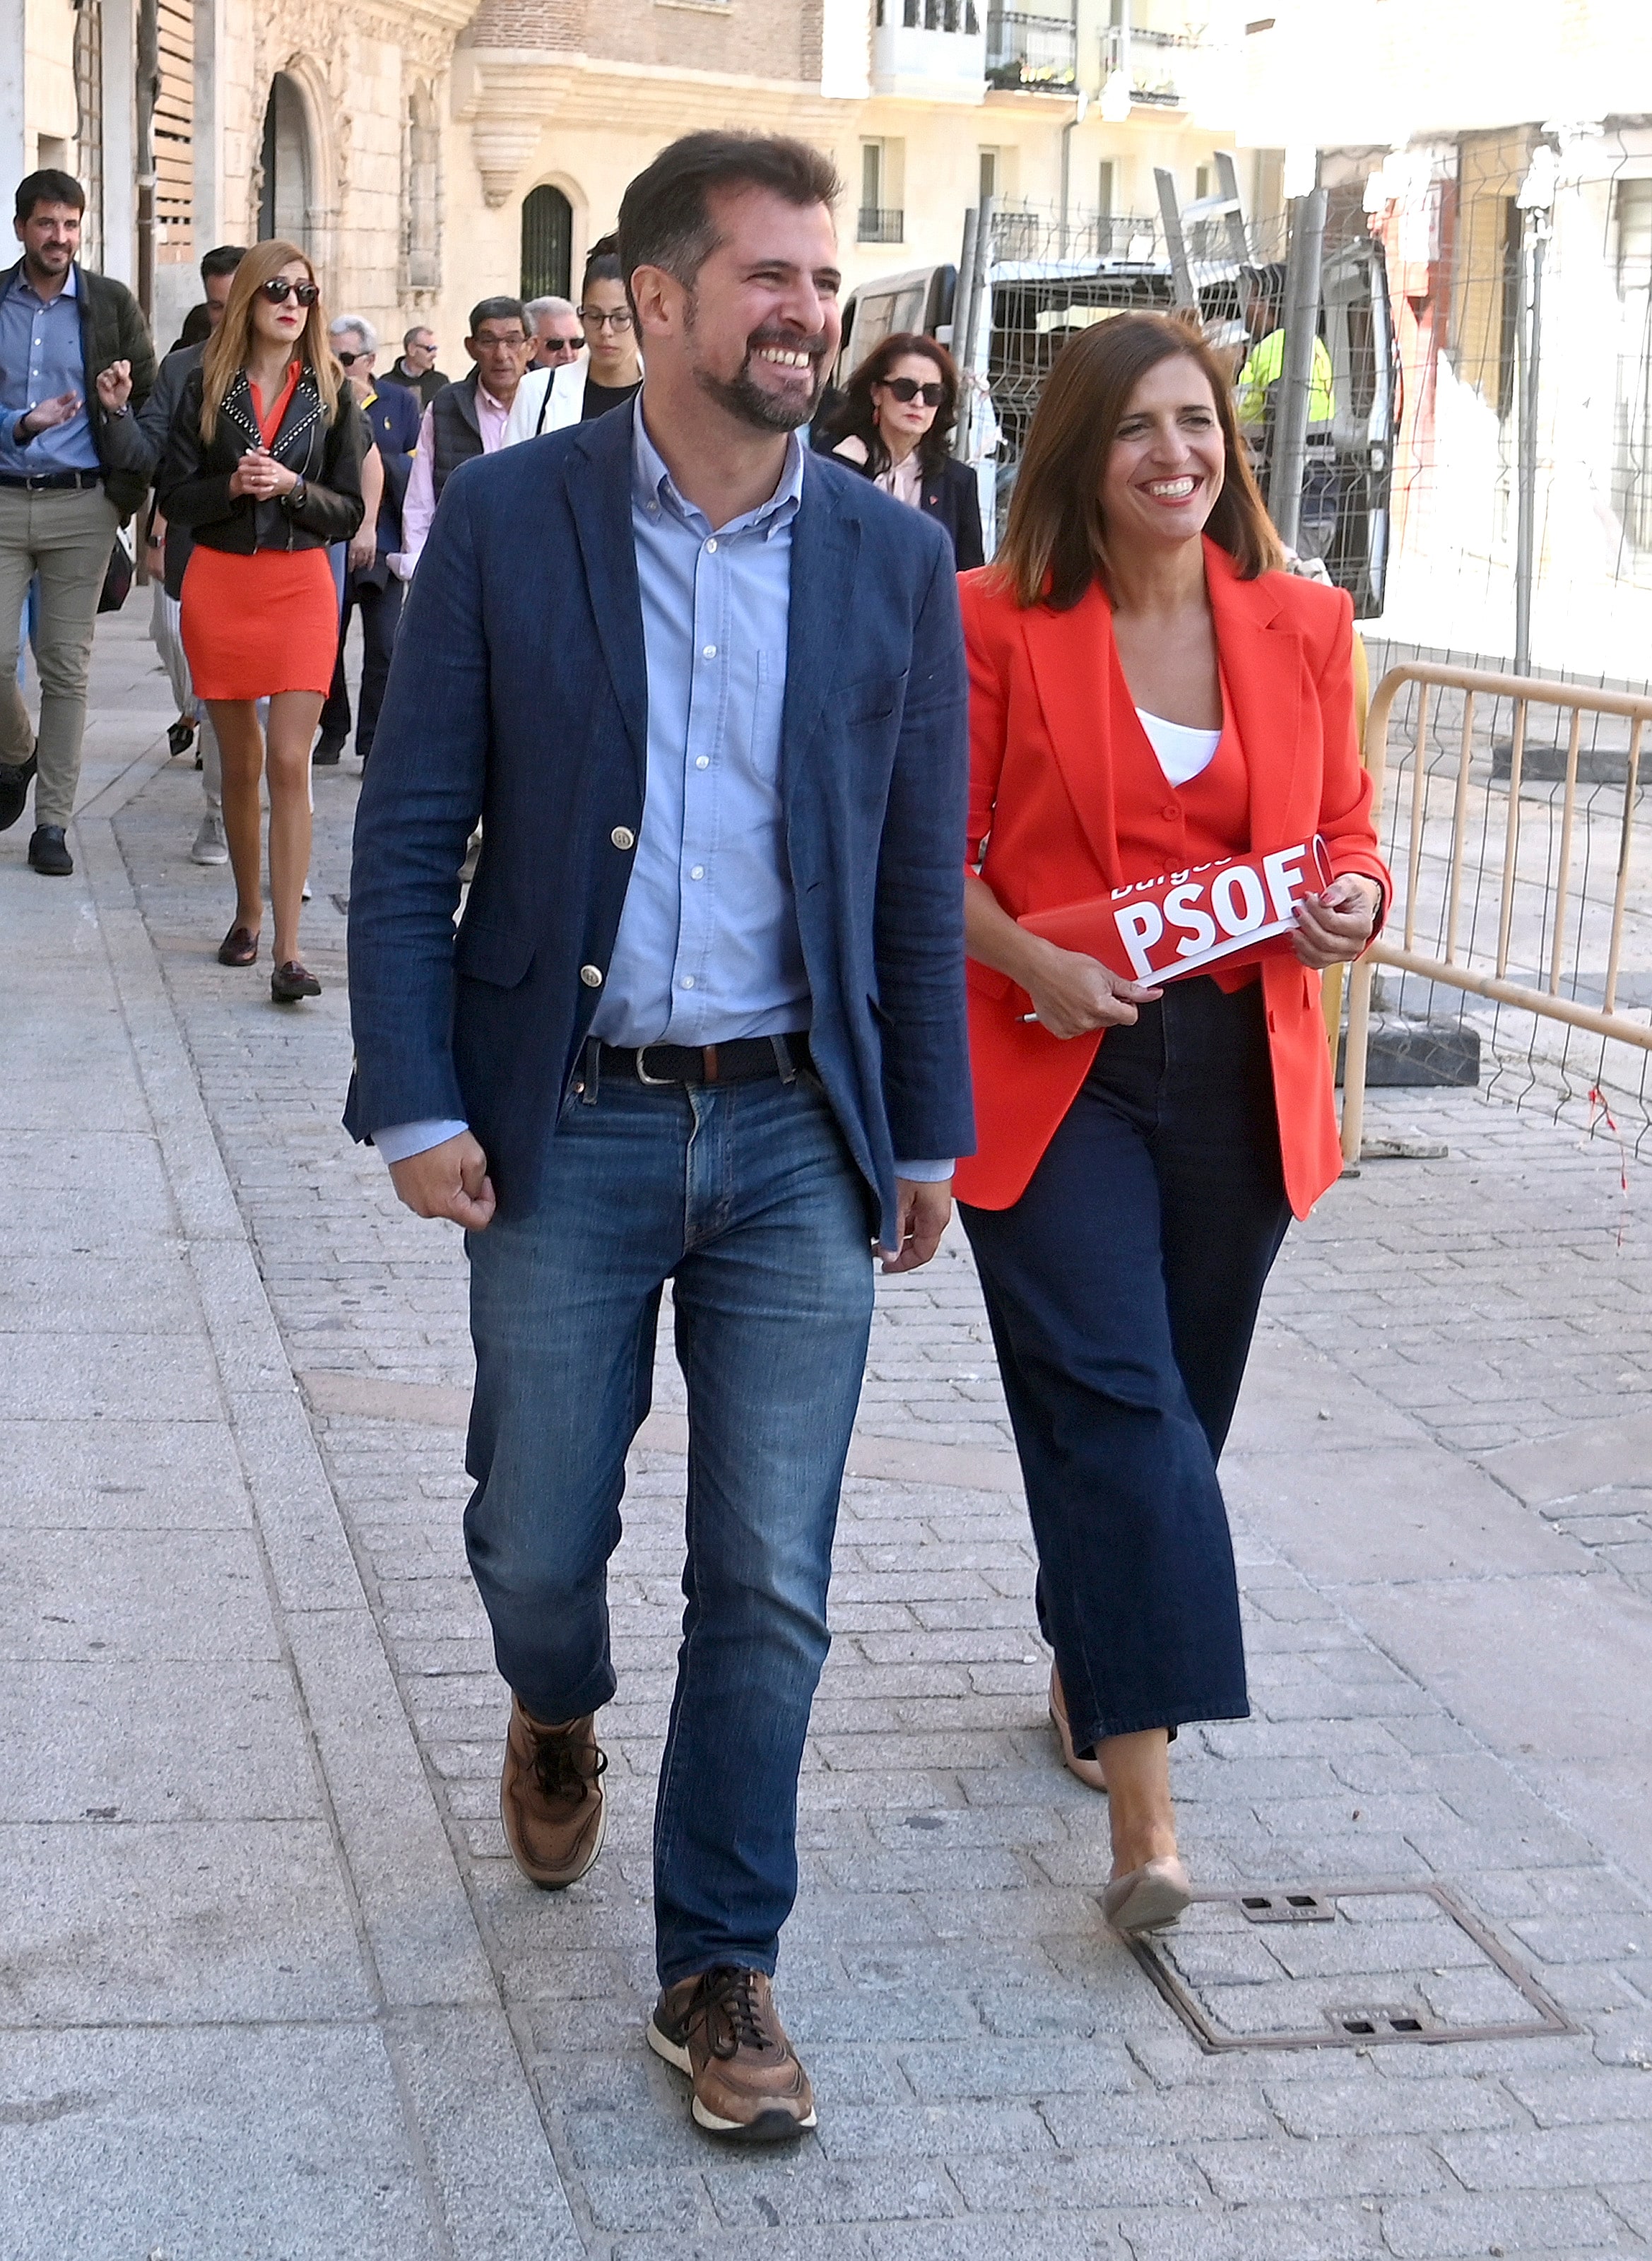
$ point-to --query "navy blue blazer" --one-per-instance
(518, 693)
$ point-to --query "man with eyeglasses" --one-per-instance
(549, 399)
(554, 327)
(370, 589)
(416, 371)
(465, 420)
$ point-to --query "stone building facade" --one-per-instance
(429, 151)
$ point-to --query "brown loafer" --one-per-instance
(550, 1797)
(290, 981)
(239, 947)
(1088, 1770)
(720, 2029)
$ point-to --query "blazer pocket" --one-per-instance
(489, 953)
(874, 699)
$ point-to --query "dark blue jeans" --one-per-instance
(1123, 1289)
(745, 1196)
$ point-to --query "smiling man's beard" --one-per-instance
(745, 399)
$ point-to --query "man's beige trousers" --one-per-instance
(63, 535)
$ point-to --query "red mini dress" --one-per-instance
(255, 625)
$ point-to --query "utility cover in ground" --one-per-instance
(1329, 1966)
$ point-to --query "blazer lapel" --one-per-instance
(825, 546)
(1073, 669)
(599, 494)
(1263, 663)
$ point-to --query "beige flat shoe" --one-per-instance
(1088, 1770)
(1148, 1898)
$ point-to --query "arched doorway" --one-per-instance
(285, 198)
(547, 243)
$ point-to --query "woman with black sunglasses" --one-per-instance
(893, 425)
(263, 465)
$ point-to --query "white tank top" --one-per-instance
(1182, 752)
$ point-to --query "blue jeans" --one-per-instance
(745, 1196)
(1122, 1290)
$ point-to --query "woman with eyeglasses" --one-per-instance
(264, 465)
(895, 417)
(546, 400)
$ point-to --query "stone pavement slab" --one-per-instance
(996, 2075)
(243, 2007)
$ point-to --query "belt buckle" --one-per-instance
(654, 1083)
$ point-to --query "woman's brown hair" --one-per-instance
(855, 414)
(230, 344)
(1055, 544)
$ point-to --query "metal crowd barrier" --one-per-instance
(1458, 886)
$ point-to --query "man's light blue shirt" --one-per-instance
(41, 356)
(707, 948)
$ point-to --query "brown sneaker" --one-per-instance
(721, 2030)
(550, 1797)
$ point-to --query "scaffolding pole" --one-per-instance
(1528, 345)
(1303, 265)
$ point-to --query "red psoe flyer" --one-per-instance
(1229, 913)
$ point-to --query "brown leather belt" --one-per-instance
(744, 1059)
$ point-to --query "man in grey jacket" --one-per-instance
(170, 548)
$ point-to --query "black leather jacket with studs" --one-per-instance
(192, 485)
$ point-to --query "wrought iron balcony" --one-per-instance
(1027, 50)
(878, 224)
(1148, 58)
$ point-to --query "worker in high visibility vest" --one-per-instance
(1256, 404)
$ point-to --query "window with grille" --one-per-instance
(1632, 451)
(547, 243)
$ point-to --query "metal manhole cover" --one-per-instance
(1342, 1966)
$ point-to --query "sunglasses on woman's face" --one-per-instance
(278, 289)
(907, 389)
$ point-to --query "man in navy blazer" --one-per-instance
(702, 1021)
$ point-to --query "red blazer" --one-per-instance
(1047, 706)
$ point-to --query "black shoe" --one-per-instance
(180, 736)
(329, 747)
(48, 852)
(292, 981)
(14, 790)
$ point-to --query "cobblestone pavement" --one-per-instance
(1443, 1510)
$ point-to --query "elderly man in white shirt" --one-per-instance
(549, 398)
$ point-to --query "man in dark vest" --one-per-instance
(465, 420)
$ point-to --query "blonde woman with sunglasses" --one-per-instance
(263, 465)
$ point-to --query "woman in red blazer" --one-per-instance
(1149, 692)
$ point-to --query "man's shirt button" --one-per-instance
(697, 872)
(688, 982)
(708, 651)
(623, 836)
(702, 761)
(592, 976)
